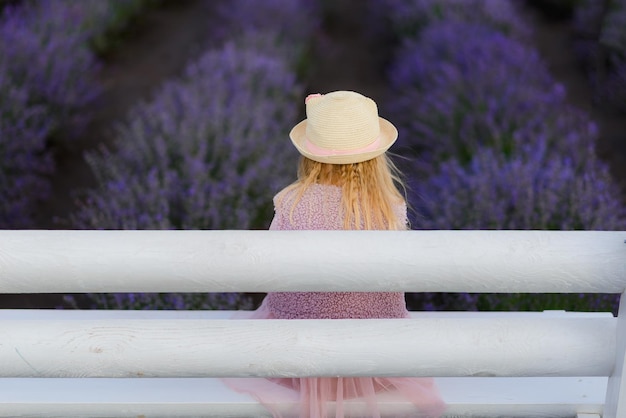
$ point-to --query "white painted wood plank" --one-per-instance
(466, 397)
(457, 346)
(616, 393)
(258, 261)
(107, 314)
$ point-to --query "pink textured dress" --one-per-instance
(319, 209)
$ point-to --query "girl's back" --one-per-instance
(345, 182)
(319, 208)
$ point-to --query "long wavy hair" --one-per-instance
(370, 190)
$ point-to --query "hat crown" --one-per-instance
(342, 120)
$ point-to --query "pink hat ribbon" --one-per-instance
(328, 152)
(310, 96)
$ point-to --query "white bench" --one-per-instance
(166, 364)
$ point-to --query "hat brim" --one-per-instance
(388, 135)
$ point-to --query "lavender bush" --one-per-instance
(47, 74)
(534, 189)
(207, 153)
(410, 17)
(45, 52)
(531, 190)
(164, 301)
(24, 162)
(495, 146)
(204, 154)
(281, 28)
(47, 48)
(461, 87)
(293, 20)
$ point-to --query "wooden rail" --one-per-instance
(572, 357)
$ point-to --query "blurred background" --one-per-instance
(174, 114)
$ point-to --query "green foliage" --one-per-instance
(120, 17)
(587, 302)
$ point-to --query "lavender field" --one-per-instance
(490, 136)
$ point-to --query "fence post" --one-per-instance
(615, 405)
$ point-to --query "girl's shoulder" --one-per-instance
(317, 206)
(315, 192)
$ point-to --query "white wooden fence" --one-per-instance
(488, 364)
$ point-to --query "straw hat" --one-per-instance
(342, 127)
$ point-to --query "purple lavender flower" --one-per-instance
(462, 86)
(294, 20)
(280, 28)
(46, 78)
(496, 145)
(410, 17)
(207, 153)
(531, 190)
(44, 51)
(165, 301)
(534, 189)
(24, 162)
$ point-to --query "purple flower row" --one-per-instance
(24, 162)
(463, 89)
(209, 150)
(46, 79)
(409, 17)
(490, 138)
(163, 301)
(529, 190)
(276, 27)
(204, 154)
(294, 21)
(46, 50)
(461, 86)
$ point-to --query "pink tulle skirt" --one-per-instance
(323, 397)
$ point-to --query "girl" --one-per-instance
(345, 181)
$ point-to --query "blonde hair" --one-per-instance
(369, 190)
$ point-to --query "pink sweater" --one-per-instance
(319, 209)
